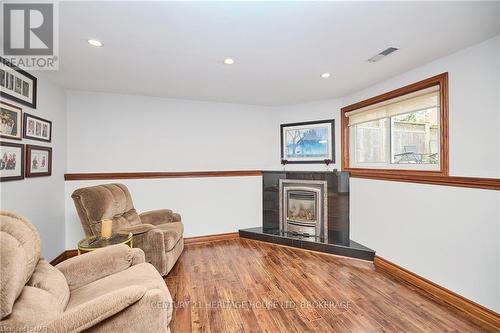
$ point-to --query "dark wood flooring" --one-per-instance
(243, 285)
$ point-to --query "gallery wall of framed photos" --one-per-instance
(20, 159)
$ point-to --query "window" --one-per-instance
(403, 130)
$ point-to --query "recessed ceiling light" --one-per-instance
(326, 75)
(94, 42)
(229, 61)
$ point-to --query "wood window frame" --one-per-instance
(402, 174)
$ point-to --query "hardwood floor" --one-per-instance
(243, 285)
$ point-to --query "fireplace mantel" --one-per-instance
(337, 239)
(337, 200)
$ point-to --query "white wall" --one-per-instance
(474, 106)
(41, 199)
(448, 235)
(320, 110)
(112, 133)
(454, 240)
(207, 205)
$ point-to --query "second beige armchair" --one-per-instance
(159, 233)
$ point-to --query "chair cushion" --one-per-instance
(19, 254)
(172, 232)
(50, 279)
(109, 201)
(33, 307)
(144, 275)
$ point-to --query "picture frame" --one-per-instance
(38, 161)
(36, 128)
(308, 142)
(11, 161)
(17, 85)
(11, 121)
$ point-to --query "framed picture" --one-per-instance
(38, 161)
(10, 121)
(308, 142)
(36, 128)
(11, 161)
(16, 84)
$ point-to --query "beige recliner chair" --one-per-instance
(159, 233)
(108, 290)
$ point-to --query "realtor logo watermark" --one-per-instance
(30, 32)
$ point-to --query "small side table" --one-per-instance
(92, 243)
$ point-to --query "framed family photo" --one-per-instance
(11, 161)
(38, 161)
(308, 142)
(17, 85)
(37, 128)
(10, 121)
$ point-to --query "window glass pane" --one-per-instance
(415, 137)
(370, 141)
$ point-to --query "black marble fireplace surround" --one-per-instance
(337, 240)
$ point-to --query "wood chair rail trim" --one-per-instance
(468, 182)
(155, 175)
(434, 179)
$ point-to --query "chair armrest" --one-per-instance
(93, 312)
(138, 256)
(159, 216)
(138, 228)
(95, 265)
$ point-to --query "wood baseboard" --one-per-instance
(187, 241)
(63, 256)
(476, 312)
(210, 238)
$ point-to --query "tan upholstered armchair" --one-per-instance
(159, 233)
(108, 290)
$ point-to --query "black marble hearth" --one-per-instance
(337, 240)
(351, 249)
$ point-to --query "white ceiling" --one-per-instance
(176, 49)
